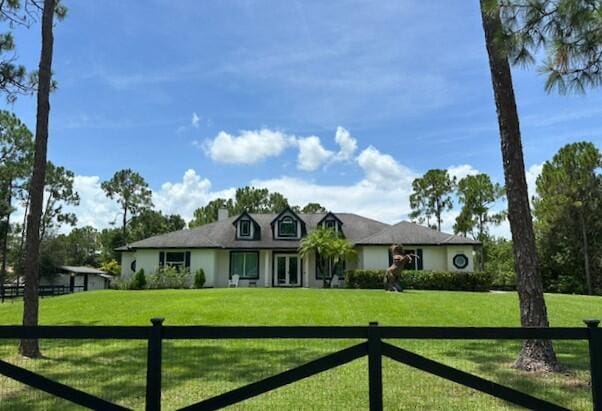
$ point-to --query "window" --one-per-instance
(460, 261)
(133, 266)
(332, 268)
(176, 260)
(245, 264)
(331, 224)
(287, 227)
(245, 228)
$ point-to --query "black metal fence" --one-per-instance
(9, 292)
(374, 346)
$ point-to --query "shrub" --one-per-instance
(199, 278)
(170, 277)
(139, 281)
(122, 284)
(425, 280)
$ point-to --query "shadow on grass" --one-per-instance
(116, 370)
(493, 360)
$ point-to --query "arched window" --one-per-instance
(287, 227)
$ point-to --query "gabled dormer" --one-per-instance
(332, 222)
(288, 226)
(246, 227)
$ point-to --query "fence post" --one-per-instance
(375, 369)
(153, 366)
(595, 358)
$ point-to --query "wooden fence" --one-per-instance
(373, 347)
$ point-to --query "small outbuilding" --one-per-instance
(78, 278)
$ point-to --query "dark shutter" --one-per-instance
(390, 258)
(161, 259)
(187, 262)
(420, 259)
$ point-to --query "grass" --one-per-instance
(194, 370)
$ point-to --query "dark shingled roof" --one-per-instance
(357, 229)
(409, 233)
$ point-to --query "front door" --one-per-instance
(287, 271)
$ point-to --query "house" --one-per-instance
(78, 278)
(262, 248)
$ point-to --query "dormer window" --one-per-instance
(245, 228)
(287, 227)
(331, 224)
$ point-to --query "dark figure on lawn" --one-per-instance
(393, 273)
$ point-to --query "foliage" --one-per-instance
(110, 239)
(252, 200)
(150, 223)
(327, 245)
(422, 280)
(568, 208)
(208, 214)
(131, 192)
(199, 278)
(139, 281)
(568, 31)
(499, 261)
(111, 267)
(311, 208)
(170, 278)
(477, 194)
(58, 192)
(431, 196)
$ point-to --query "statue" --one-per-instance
(393, 273)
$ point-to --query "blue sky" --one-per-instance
(203, 97)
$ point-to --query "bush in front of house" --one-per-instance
(170, 277)
(199, 278)
(423, 280)
(139, 281)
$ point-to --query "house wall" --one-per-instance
(434, 258)
(452, 251)
(126, 262)
(205, 259)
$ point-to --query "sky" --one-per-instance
(341, 102)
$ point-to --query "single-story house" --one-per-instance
(78, 278)
(263, 248)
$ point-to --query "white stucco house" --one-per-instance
(262, 248)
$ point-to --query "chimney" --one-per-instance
(222, 214)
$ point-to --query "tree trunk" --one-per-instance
(535, 354)
(5, 234)
(30, 347)
(588, 275)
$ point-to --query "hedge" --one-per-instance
(424, 280)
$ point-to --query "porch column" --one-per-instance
(268, 269)
(305, 272)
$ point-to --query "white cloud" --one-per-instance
(312, 155)
(383, 169)
(187, 195)
(195, 121)
(461, 171)
(347, 144)
(249, 147)
(531, 175)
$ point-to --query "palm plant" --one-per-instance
(327, 245)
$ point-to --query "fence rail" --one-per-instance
(373, 347)
(9, 292)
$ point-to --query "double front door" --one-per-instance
(287, 270)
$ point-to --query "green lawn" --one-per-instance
(194, 370)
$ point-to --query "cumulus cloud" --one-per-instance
(347, 144)
(461, 171)
(249, 147)
(531, 175)
(312, 155)
(195, 121)
(383, 169)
